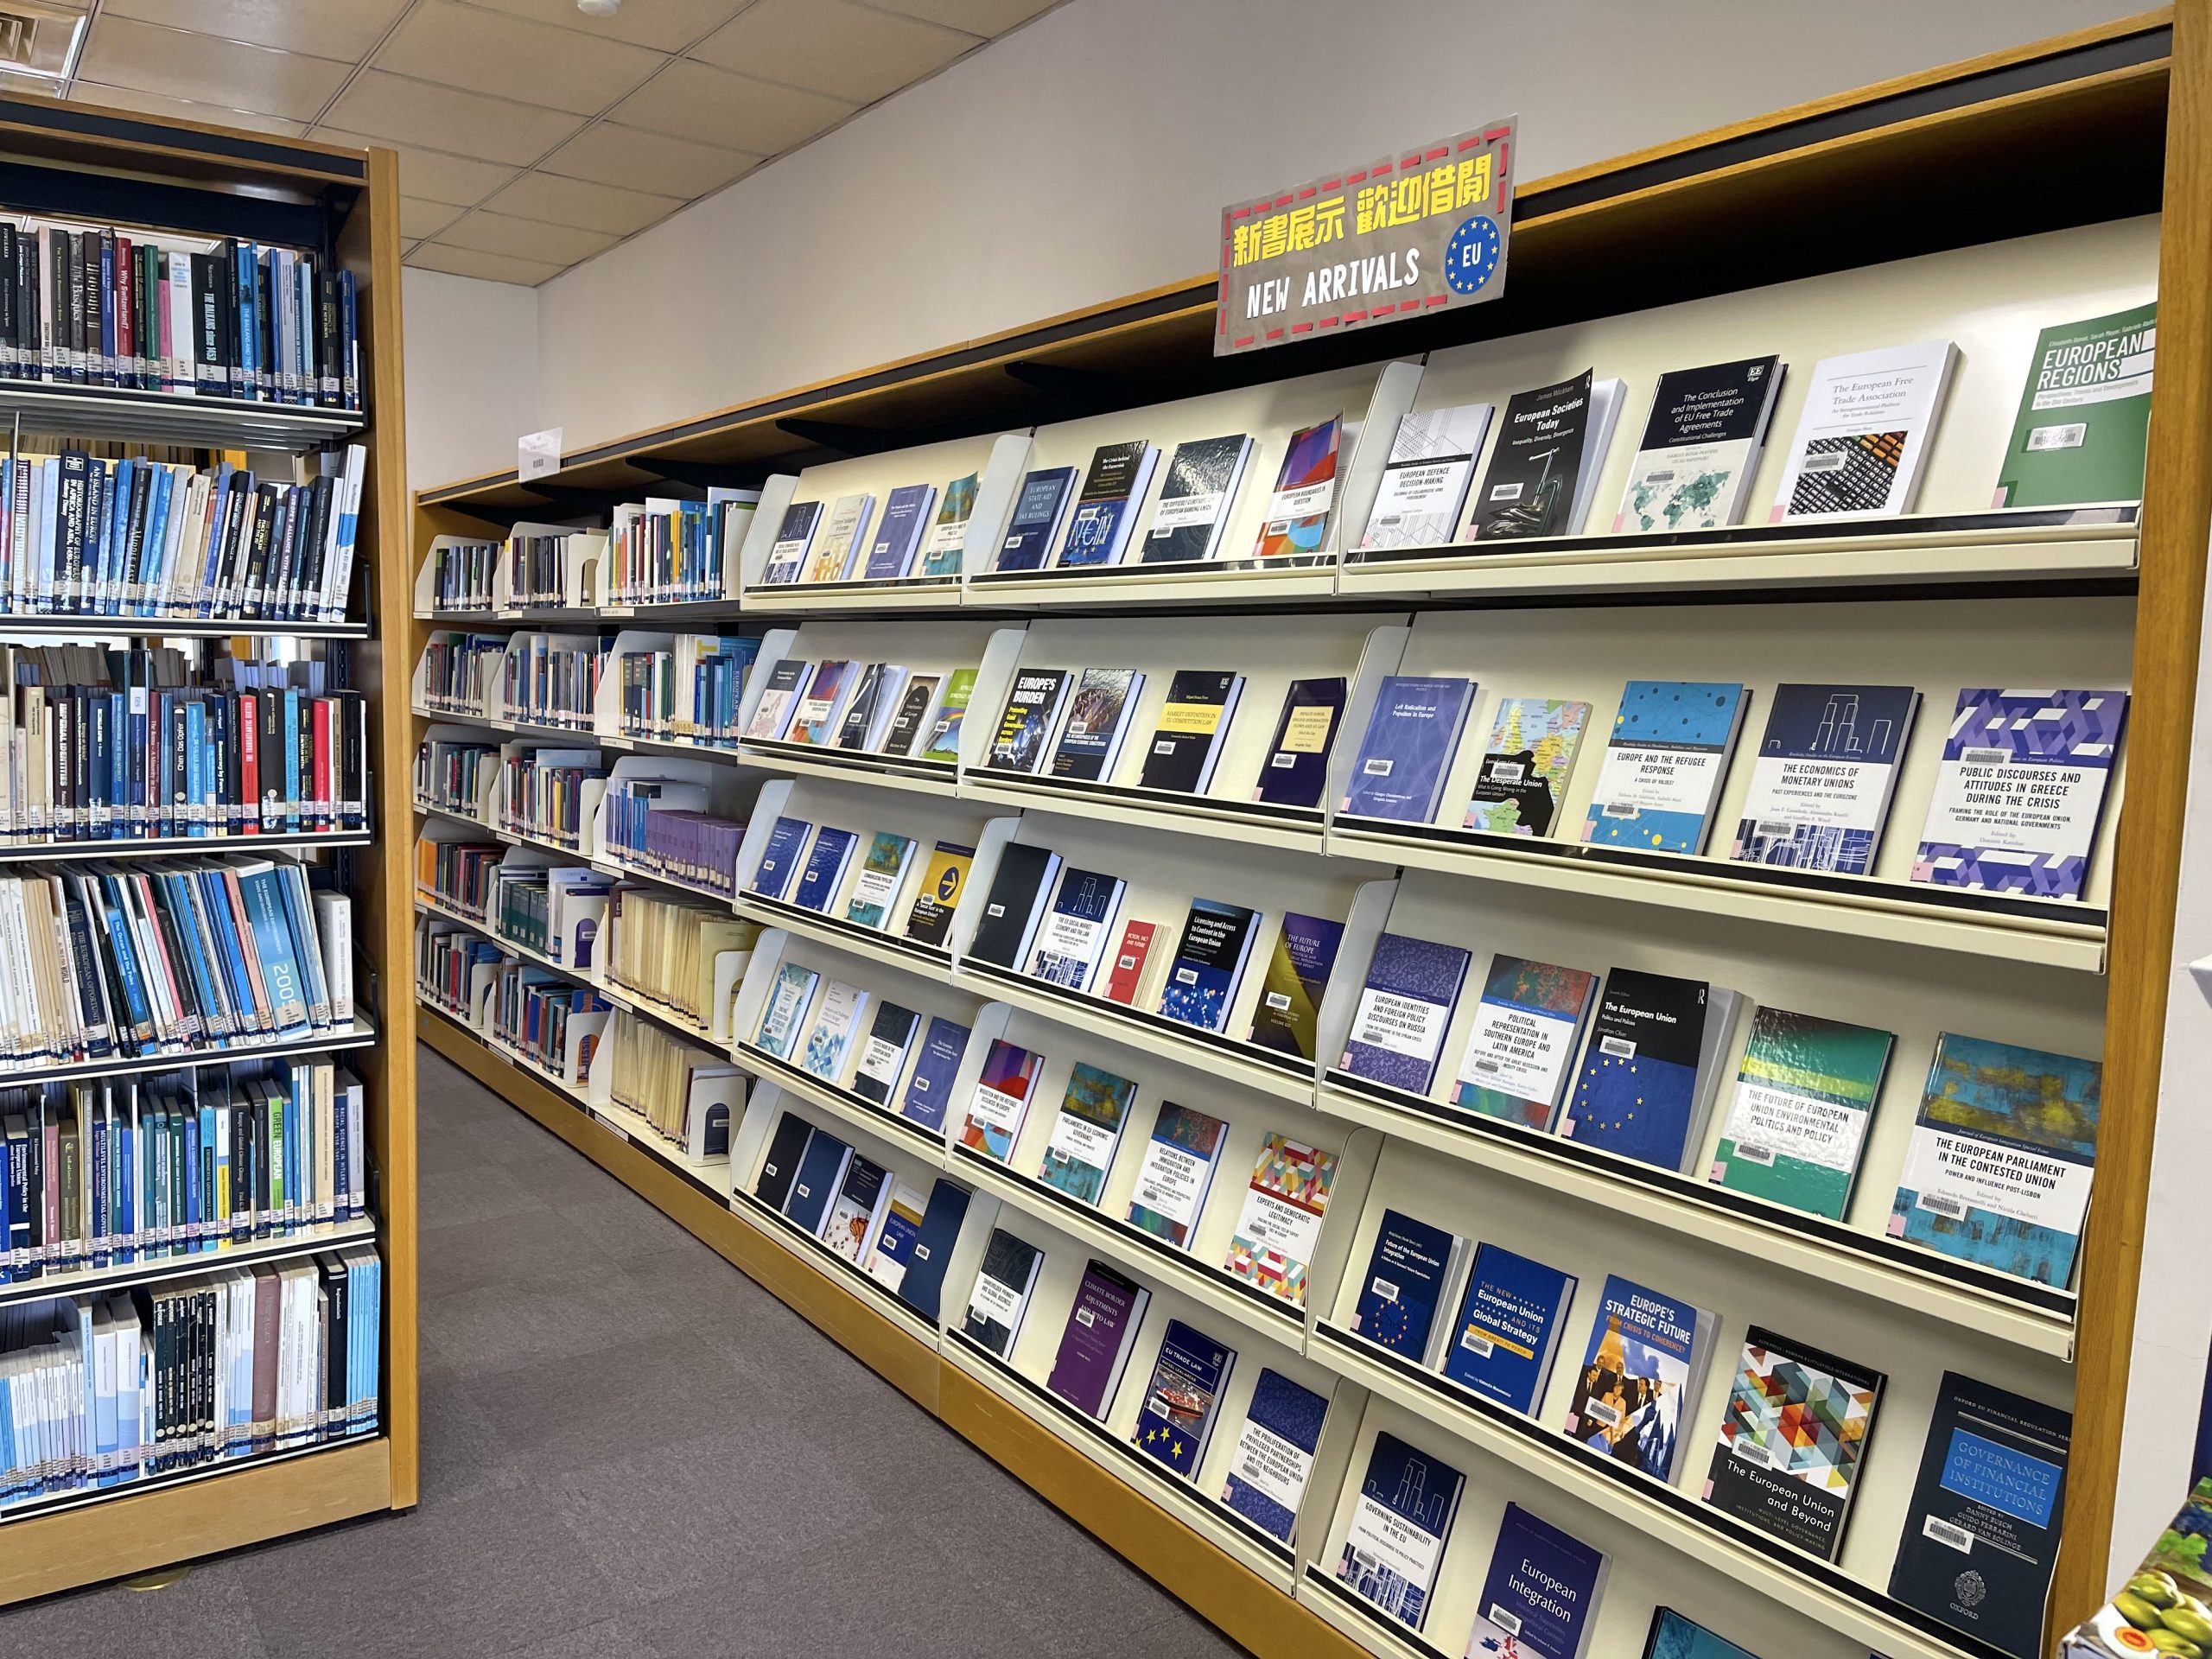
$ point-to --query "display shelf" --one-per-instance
(158, 1270)
(175, 418)
(67, 1503)
(809, 760)
(1105, 589)
(827, 1263)
(660, 1013)
(430, 810)
(709, 1174)
(71, 852)
(1251, 823)
(908, 595)
(159, 627)
(932, 961)
(857, 1109)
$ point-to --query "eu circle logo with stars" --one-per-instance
(1471, 258)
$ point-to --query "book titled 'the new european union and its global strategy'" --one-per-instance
(1824, 775)
(1804, 1097)
(1507, 1328)
(1664, 762)
(1407, 753)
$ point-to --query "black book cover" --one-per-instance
(1797, 1490)
(915, 705)
(326, 336)
(860, 714)
(100, 261)
(269, 756)
(1528, 489)
(1024, 874)
(30, 287)
(1296, 771)
(264, 322)
(1196, 499)
(780, 1167)
(12, 340)
(333, 1370)
(228, 276)
(1026, 724)
(1189, 727)
(62, 710)
(257, 571)
(208, 372)
(222, 750)
(1012, 1262)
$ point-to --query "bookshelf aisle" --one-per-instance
(1130, 1000)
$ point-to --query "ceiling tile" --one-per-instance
(526, 238)
(609, 153)
(691, 100)
(427, 174)
(150, 58)
(419, 218)
(976, 16)
(122, 97)
(664, 25)
(344, 29)
(833, 46)
(491, 52)
(444, 117)
(576, 201)
(492, 267)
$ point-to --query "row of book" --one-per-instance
(662, 829)
(451, 775)
(542, 679)
(103, 1391)
(689, 692)
(667, 552)
(873, 709)
(543, 793)
(674, 951)
(547, 1019)
(922, 533)
(893, 888)
(686, 1094)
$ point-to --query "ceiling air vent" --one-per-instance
(38, 40)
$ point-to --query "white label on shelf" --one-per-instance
(613, 1128)
(538, 453)
(1765, 1121)
(1944, 1533)
(1399, 1025)
(1519, 1052)
(1271, 1465)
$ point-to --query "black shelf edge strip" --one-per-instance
(891, 1126)
(826, 1258)
(1081, 792)
(1293, 1069)
(1362, 1608)
(800, 918)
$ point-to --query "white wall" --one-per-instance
(471, 361)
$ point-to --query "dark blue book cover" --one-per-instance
(1296, 771)
(1112, 488)
(1036, 516)
(1274, 1454)
(924, 1286)
(930, 1085)
(1411, 737)
(1822, 775)
(1397, 1031)
(780, 859)
(1401, 1522)
(1209, 963)
(899, 533)
(1092, 533)
(821, 1173)
(1408, 1272)
(825, 868)
(1183, 1399)
(1509, 1324)
(1541, 1593)
(1638, 1086)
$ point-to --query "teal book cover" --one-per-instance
(1093, 1110)
(1804, 1098)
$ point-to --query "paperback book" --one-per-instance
(1209, 963)
(780, 1164)
(1273, 1459)
(882, 877)
(862, 1198)
(1003, 1285)
(1425, 481)
(1540, 1597)
(1021, 887)
(1521, 782)
(1411, 736)
(1793, 1441)
(948, 538)
(1527, 1030)
(2085, 414)
(1401, 1522)
(1194, 724)
(1664, 763)
(1001, 1100)
(1280, 1222)
(1305, 494)
(1543, 469)
(1106, 509)
(1072, 935)
(838, 1016)
(1692, 469)
(910, 720)
(1405, 1296)
(1652, 1068)
(772, 715)
(1296, 771)
(1507, 1328)
(894, 1242)
(1026, 726)
(789, 998)
(1182, 1400)
(1099, 711)
(1673, 1636)
(936, 896)
(780, 859)
(1804, 1098)
(1040, 516)
(899, 533)
(1405, 1007)
(1822, 777)
(942, 746)
(1287, 1018)
(1127, 980)
(883, 1054)
(821, 1172)
(816, 719)
(923, 1286)
(867, 714)
(1645, 1367)
(793, 538)
(937, 1062)
(1864, 431)
(1192, 512)
(1084, 1134)
(1177, 1173)
(823, 877)
(838, 543)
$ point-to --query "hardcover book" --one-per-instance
(2021, 788)
(1195, 502)
(1095, 1343)
(1289, 1008)
(2085, 414)
(1194, 724)
(1405, 1007)
(780, 859)
(1177, 1173)
(843, 534)
(1296, 771)
(1652, 1067)
(1700, 447)
(1099, 709)
(1400, 1522)
(789, 998)
(821, 1173)
(793, 538)
(1411, 1274)
(1425, 481)
(1804, 1098)
(1674, 1636)
(863, 1197)
(823, 875)
(1528, 1031)
(1998, 1170)
(1822, 777)
(1106, 510)
(1864, 432)
(883, 872)
(1040, 514)
(1305, 494)
(1521, 784)
(938, 895)
(1209, 963)
(936, 1065)
(1000, 1297)
(1664, 763)
(1280, 1222)
(891, 549)
(923, 1286)
(1645, 1364)
(1543, 469)
(1182, 1400)
(780, 1164)
(1126, 979)
(1793, 1440)
(894, 1242)
(1072, 936)
(883, 1055)
(910, 721)
(1507, 1328)
(838, 1016)
(943, 744)
(1407, 753)
(1033, 709)
(1274, 1458)
(1001, 1100)
(1019, 888)
(1089, 1128)
(948, 538)
(820, 712)
(868, 711)
(772, 715)
(1540, 1598)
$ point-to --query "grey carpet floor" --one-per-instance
(629, 1449)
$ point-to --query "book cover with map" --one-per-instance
(1521, 782)
(1700, 446)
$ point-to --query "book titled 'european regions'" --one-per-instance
(2020, 791)
(1305, 494)
(1804, 1097)
(1645, 1364)
(1182, 1400)
(1521, 782)
(2085, 414)
(1864, 432)
(1297, 976)
(1528, 1028)
(1403, 759)
(1822, 777)
(1540, 1599)
(1400, 1522)
(1273, 1458)
(1404, 1009)
(1425, 482)
(1793, 1440)
(1700, 446)
(1664, 763)
(1280, 1222)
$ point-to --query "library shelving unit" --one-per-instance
(1900, 212)
(78, 165)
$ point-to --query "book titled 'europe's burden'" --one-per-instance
(1412, 736)
(1793, 1441)
(1664, 763)
(1700, 446)
(1803, 1099)
(1822, 776)
(1274, 1454)
(1540, 1599)
(1645, 1364)
(1401, 1522)
(2085, 414)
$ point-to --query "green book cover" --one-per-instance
(2079, 435)
(944, 736)
(1804, 1099)
(882, 873)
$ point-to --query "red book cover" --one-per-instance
(1130, 957)
(324, 733)
(125, 303)
(249, 761)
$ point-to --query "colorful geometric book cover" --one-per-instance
(1297, 974)
(1280, 1222)
(993, 1122)
(1527, 1026)
(1804, 1098)
(1089, 1128)
(1645, 1359)
(1664, 763)
(1401, 1522)
(1792, 1441)
(1305, 490)
(1182, 1399)
(1822, 777)
(1521, 784)
(1274, 1454)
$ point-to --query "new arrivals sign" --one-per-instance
(1410, 233)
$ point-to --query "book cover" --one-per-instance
(2020, 791)
(1405, 1007)
(899, 533)
(867, 711)
(1674, 1636)
(1425, 481)
(910, 721)
(1024, 731)
(938, 895)
(1527, 1030)
(1193, 723)
(1540, 1597)
(824, 873)
(1822, 776)
(1040, 510)
(1864, 432)
(1305, 494)
(780, 859)
(1508, 1327)
(1407, 753)
(883, 1053)
(1409, 1275)
(1273, 1458)
(840, 541)
(943, 744)
(948, 538)
(1094, 1343)
(2085, 414)
(821, 1172)
(1700, 447)
(1530, 486)
(883, 872)
(1400, 1523)
(1209, 963)
(1981, 1535)
(1089, 1128)
(1638, 1093)
(1001, 1100)
(815, 720)
(1106, 507)
(793, 538)
(936, 1065)
(1804, 1097)
(1000, 1297)
(789, 998)
(772, 715)
(1999, 1167)
(1125, 979)
(838, 1016)
(780, 1164)
(1099, 709)
(1521, 784)
(1792, 1441)
(862, 1196)
(1177, 1173)
(1647, 1355)
(1182, 1398)
(1288, 1014)
(894, 1242)
(1665, 761)
(923, 1286)
(1072, 935)
(1280, 1222)
(1196, 498)
(1020, 887)
(1296, 771)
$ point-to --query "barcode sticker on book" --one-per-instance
(2072, 435)
(1619, 1048)
(1165, 745)
(1599, 1412)
(1774, 830)
(1752, 1451)
(1508, 772)
(1277, 1000)
(1615, 810)
(1376, 767)
(1085, 1318)
(1943, 1532)
(921, 1252)
(1505, 1619)
(1186, 976)
(1833, 461)
(1505, 492)
(1985, 757)
(1763, 1156)
(1938, 1204)
(1282, 760)
(1484, 1063)
(1476, 1343)
(1383, 1290)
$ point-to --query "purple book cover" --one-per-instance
(1094, 1344)
(930, 1085)
(1397, 1032)
(905, 511)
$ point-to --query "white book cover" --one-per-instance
(1700, 446)
(1425, 484)
(834, 1022)
(844, 532)
(1863, 433)
(1606, 398)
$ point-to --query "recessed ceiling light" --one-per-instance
(599, 8)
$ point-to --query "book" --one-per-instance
(870, 709)
(838, 544)
(780, 858)
(1543, 469)
(1020, 889)
(2020, 791)
(1540, 1597)
(1400, 1522)
(891, 550)
(1864, 432)
(937, 895)
(1521, 782)
(1508, 1327)
(1305, 494)
(1095, 1343)
(819, 713)
(1981, 1534)
(1413, 1270)
(1665, 761)
(1106, 507)
(1407, 753)
(1280, 1222)
(1642, 1372)
(1274, 1458)
(893, 1251)
(1824, 775)
(1099, 709)
(1024, 737)
(780, 1164)
(1693, 466)
(1092, 1111)
(772, 715)
(821, 1172)
(1425, 481)
(1208, 966)
(862, 1198)
(1673, 1636)
(2085, 414)
(1998, 1170)
(942, 746)
(793, 538)
(1793, 1440)
(1296, 771)
(937, 1062)
(1176, 1172)
(883, 1054)
(1182, 1398)
(823, 877)
(948, 538)
(1288, 1014)
(1126, 979)
(1194, 724)
(911, 717)
(789, 998)
(923, 1286)
(1040, 516)
(1405, 1007)
(838, 1016)
(1652, 1067)
(1804, 1098)
(1001, 1296)
(883, 873)
(1196, 499)
(1527, 1030)
(1001, 1101)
